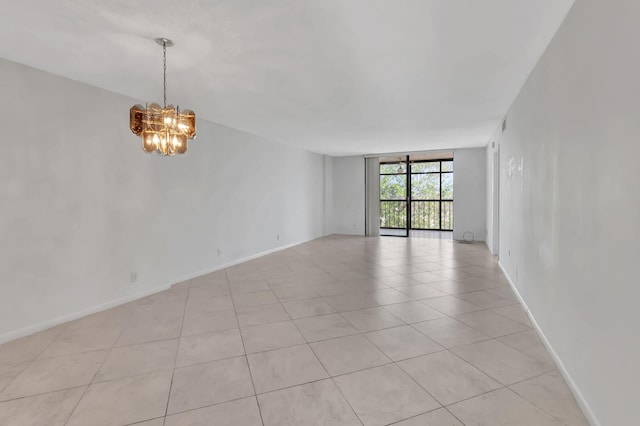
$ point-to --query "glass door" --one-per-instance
(394, 196)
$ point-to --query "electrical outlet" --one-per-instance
(134, 277)
(278, 237)
(218, 252)
(516, 272)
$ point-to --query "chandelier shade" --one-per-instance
(164, 130)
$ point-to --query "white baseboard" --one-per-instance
(34, 328)
(582, 402)
(237, 261)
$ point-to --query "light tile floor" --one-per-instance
(338, 331)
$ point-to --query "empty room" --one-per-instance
(319, 212)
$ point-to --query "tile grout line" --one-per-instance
(75, 407)
(244, 349)
(175, 358)
(324, 368)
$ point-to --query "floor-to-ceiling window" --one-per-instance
(432, 195)
(416, 193)
(393, 194)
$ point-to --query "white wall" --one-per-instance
(570, 203)
(348, 193)
(328, 195)
(82, 206)
(469, 193)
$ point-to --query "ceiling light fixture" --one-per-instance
(165, 130)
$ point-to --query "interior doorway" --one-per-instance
(416, 194)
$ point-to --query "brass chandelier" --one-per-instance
(165, 129)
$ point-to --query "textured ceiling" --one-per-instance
(332, 76)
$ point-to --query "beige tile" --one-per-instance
(200, 385)
(209, 304)
(388, 296)
(241, 412)
(52, 374)
(348, 354)
(257, 315)
(350, 302)
(209, 347)
(448, 378)
(453, 273)
(248, 286)
(480, 270)
(284, 281)
(27, 348)
(287, 294)
(208, 291)
(403, 342)
(431, 266)
(439, 417)
(158, 310)
(284, 367)
(421, 291)
(407, 269)
(308, 308)
(135, 360)
(500, 408)
(505, 292)
(486, 282)
(550, 393)
(83, 336)
(384, 395)
(450, 332)
(515, 312)
(123, 401)
(451, 305)
(49, 409)
(453, 287)
(411, 312)
(366, 285)
(491, 324)
(199, 322)
(9, 372)
(530, 344)
(372, 319)
(150, 330)
(324, 327)
(321, 278)
(350, 275)
(257, 298)
(398, 280)
(334, 289)
(271, 336)
(503, 363)
(214, 279)
(427, 277)
(155, 422)
(484, 299)
(313, 404)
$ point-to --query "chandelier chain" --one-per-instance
(164, 69)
